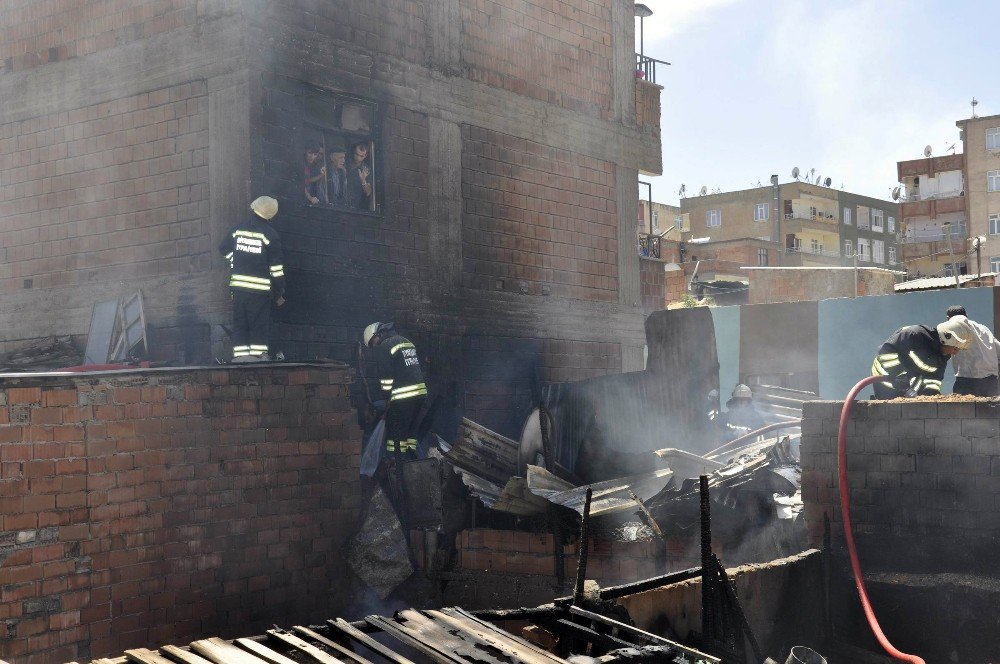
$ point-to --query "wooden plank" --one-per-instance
(505, 642)
(183, 656)
(144, 656)
(439, 652)
(367, 641)
(341, 650)
(263, 652)
(304, 647)
(223, 652)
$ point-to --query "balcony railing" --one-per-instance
(808, 216)
(913, 235)
(649, 246)
(645, 67)
(813, 252)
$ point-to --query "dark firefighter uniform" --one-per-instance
(402, 383)
(257, 274)
(912, 362)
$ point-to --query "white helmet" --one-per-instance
(264, 207)
(369, 333)
(955, 332)
(742, 392)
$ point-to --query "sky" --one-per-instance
(847, 88)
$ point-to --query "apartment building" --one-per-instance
(933, 215)
(796, 224)
(981, 143)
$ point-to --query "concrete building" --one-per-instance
(981, 142)
(505, 140)
(664, 223)
(816, 227)
(933, 214)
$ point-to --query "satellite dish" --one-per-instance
(927, 151)
(704, 190)
(895, 194)
(818, 178)
(795, 172)
(680, 192)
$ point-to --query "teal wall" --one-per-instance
(727, 346)
(851, 330)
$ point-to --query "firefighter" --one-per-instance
(253, 250)
(976, 366)
(913, 359)
(741, 416)
(403, 387)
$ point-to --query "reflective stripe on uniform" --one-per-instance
(877, 369)
(251, 234)
(238, 283)
(241, 351)
(408, 392)
(400, 346)
(404, 445)
(277, 270)
(920, 363)
(934, 385)
(386, 384)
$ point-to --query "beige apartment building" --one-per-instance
(816, 225)
(981, 142)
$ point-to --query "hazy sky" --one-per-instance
(846, 87)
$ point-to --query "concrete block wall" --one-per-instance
(148, 507)
(924, 476)
(798, 284)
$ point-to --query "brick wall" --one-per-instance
(923, 480)
(798, 284)
(647, 106)
(537, 219)
(555, 52)
(114, 195)
(652, 284)
(36, 33)
(142, 508)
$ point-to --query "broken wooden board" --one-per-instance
(304, 647)
(258, 649)
(343, 652)
(183, 656)
(144, 656)
(367, 641)
(484, 453)
(223, 652)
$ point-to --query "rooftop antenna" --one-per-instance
(704, 190)
(895, 194)
(927, 151)
(812, 172)
(680, 192)
(952, 148)
(974, 104)
(795, 173)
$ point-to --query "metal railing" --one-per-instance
(913, 235)
(649, 246)
(813, 252)
(645, 67)
(806, 216)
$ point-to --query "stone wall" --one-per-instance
(147, 507)
(923, 480)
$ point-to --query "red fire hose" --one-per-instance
(845, 508)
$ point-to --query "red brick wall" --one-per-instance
(35, 33)
(107, 193)
(559, 52)
(651, 284)
(146, 508)
(537, 218)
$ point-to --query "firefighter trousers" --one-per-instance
(401, 423)
(251, 323)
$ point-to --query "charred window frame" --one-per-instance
(339, 130)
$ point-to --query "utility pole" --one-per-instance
(951, 254)
(979, 246)
(855, 273)
(775, 189)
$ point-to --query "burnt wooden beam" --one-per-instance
(353, 633)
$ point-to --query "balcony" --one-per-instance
(931, 207)
(647, 114)
(645, 68)
(796, 221)
(958, 234)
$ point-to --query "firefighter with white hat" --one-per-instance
(257, 275)
(914, 358)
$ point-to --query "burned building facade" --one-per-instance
(464, 168)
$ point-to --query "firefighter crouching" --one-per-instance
(402, 383)
(914, 358)
(253, 250)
